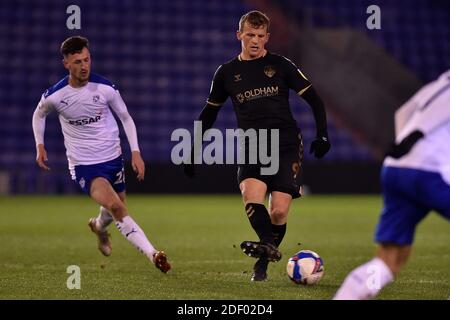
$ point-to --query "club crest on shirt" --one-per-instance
(269, 71)
(237, 78)
(96, 98)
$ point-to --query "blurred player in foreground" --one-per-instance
(91, 136)
(415, 180)
(258, 83)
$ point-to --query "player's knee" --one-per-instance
(253, 192)
(251, 197)
(278, 215)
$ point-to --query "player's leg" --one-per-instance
(366, 281)
(160, 257)
(83, 175)
(99, 226)
(403, 209)
(434, 194)
(253, 195)
(394, 256)
(103, 193)
(286, 186)
(104, 219)
(279, 204)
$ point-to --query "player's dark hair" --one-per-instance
(256, 19)
(74, 45)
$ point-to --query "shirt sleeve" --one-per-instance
(404, 114)
(218, 94)
(118, 106)
(431, 115)
(43, 108)
(295, 79)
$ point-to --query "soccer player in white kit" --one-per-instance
(415, 180)
(91, 137)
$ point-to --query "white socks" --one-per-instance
(136, 236)
(129, 229)
(365, 282)
(104, 219)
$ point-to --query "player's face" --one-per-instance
(79, 65)
(253, 40)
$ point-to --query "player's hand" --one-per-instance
(320, 146)
(399, 150)
(138, 165)
(189, 170)
(41, 157)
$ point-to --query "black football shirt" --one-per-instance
(259, 90)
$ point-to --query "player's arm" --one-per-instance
(297, 81)
(217, 97)
(321, 145)
(39, 116)
(208, 115)
(118, 105)
(404, 114)
(428, 117)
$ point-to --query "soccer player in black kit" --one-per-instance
(258, 83)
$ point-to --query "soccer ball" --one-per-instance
(305, 267)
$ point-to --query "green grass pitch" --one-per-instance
(41, 236)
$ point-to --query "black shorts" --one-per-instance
(288, 178)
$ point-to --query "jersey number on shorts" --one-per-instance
(120, 177)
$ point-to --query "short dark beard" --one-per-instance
(79, 81)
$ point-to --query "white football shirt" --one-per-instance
(428, 111)
(91, 134)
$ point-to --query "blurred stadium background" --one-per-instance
(162, 55)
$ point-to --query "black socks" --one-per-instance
(260, 221)
(278, 232)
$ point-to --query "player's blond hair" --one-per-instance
(256, 19)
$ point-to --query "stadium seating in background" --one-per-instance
(162, 55)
